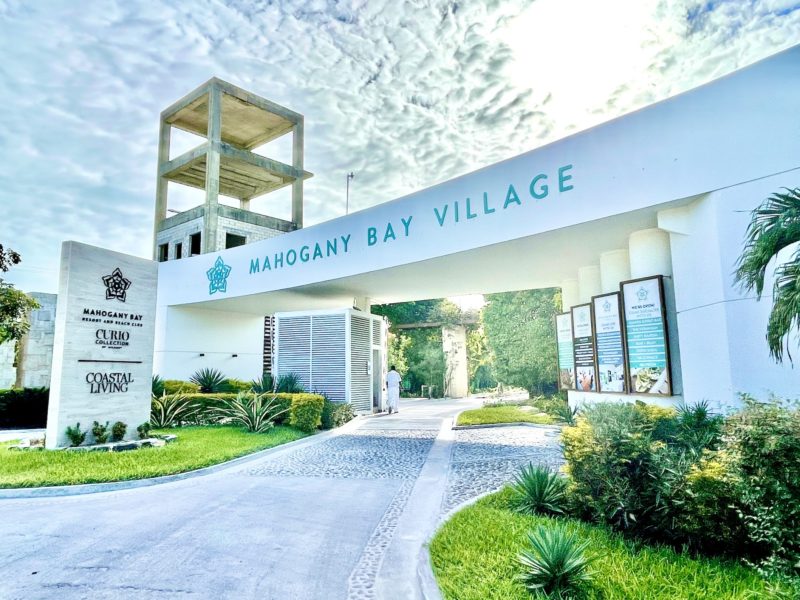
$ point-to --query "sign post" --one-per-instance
(103, 347)
(646, 336)
(583, 342)
(610, 349)
(566, 360)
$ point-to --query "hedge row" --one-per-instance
(24, 407)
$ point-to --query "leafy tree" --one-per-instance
(422, 311)
(520, 331)
(398, 348)
(774, 226)
(479, 360)
(14, 304)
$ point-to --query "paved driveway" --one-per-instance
(336, 517)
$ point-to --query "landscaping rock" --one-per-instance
(125, 446)
(169, 438)
(159, 443)
(77, 449)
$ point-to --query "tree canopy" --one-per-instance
(774, 226)
(14, 304)
(520, 330)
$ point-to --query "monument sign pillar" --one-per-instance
(103, 347)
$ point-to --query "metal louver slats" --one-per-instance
(328, 357)
(294, 348)
(376, 332)
(360, 355)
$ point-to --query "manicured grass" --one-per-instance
(195, 447)
(489, 415)
(474, 558)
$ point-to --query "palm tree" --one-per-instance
(774, 225)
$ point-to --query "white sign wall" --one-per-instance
(103, 349)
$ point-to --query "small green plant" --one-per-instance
(143, 430)
(157, 387)
(289, 383)
(75, 435)
(168, 411)
(236, 385)
(306, 412)
(336, 414)
(564, 412)
(555, 564)
(176, 386)
(100, 432)
(255, 412)
(539, 490)
(264, 385)
(118, 430)
(209, 380)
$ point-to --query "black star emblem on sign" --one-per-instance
(116, 284)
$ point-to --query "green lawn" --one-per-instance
(195, 447)
(474, 558)
(489, 415)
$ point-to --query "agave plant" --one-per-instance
(209, 380)
(264, 385)
(566, 413)
(774, 226)
(157, 386)
(539, 490)
(289, 383)
(169, 410)
(556, 563)
(255, 412)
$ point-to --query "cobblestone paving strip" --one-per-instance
(362, 454)
(486, 459)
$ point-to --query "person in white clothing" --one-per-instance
(393, 380)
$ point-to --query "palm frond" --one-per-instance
(785, 315)
(774, 225)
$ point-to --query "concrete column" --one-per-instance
(211, 217)
(650, 253)
(615, 266)
(456, 377)
(244, 203)
(162, 185)
(588, 283)
(362, 303)
(297, 163)
(569, 294)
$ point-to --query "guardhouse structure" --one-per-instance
(339, 353)
(234, 122)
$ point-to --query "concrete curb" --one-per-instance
(113, 486)
(425, 575)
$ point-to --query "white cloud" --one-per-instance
(405, 94)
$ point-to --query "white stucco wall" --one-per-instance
(8, 373)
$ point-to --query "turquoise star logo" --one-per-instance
(218, 276)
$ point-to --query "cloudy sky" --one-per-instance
(404, 93)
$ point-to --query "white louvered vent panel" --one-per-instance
(328, 358)
(376, 332)
(294, 348)
(360, 355)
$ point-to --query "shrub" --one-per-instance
(550, 405)
(263, 385)
(336, 414)
(556, 563)
(169, 411)
(306, 412)
(289, 383)
(539, 490)
(255, 412)
(764, 445)
(24, 408)
(143, 430)
(209, 380)
(697, 429)
(157, 386)
(75, 435)
(176, 386)
(118, 430)
(566, 414)
(236, 386)
(100, 432)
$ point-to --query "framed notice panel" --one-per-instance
(646, 336)
(566, 361)
(608, 340)
(583, 348)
